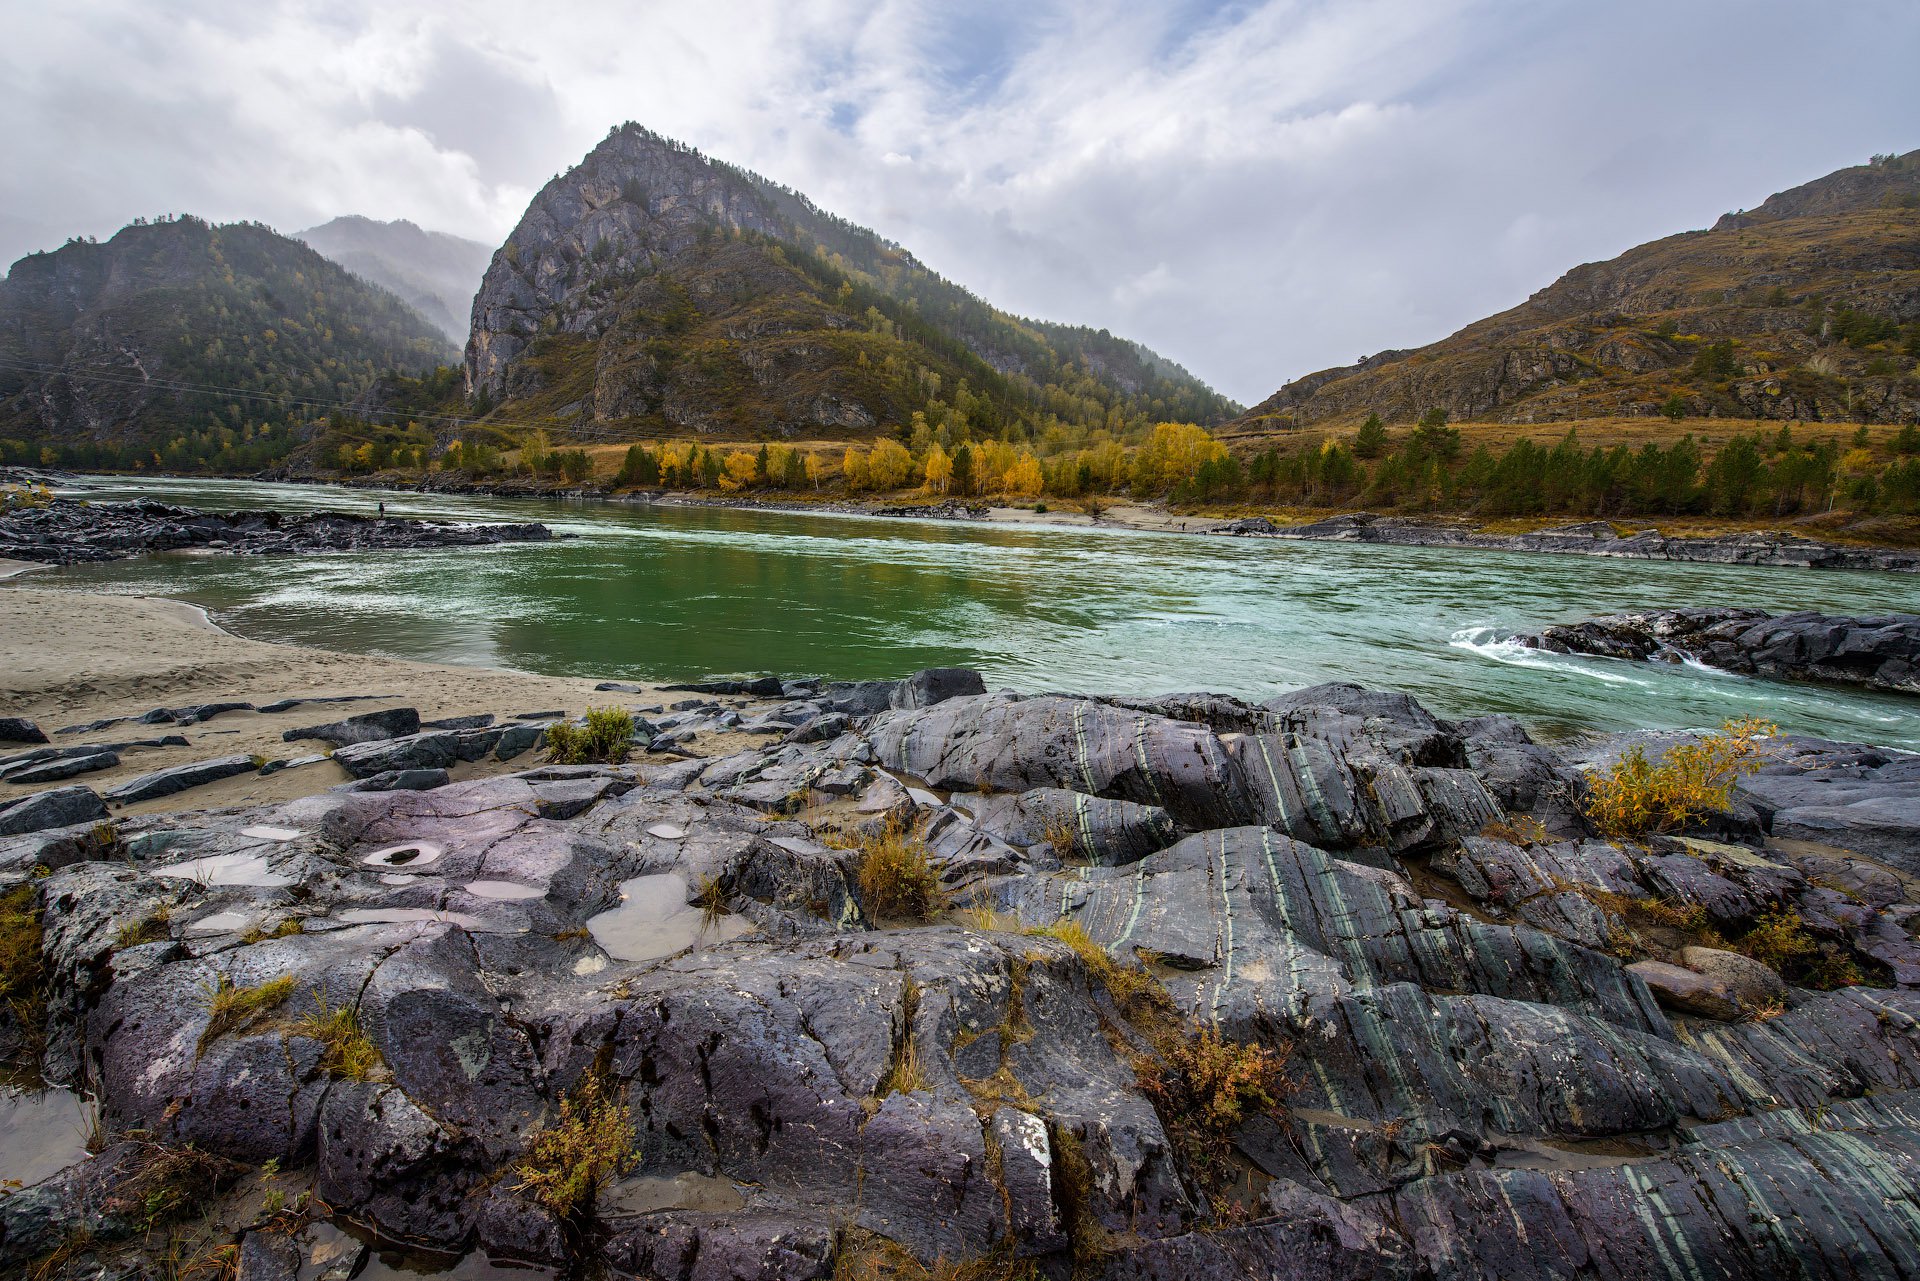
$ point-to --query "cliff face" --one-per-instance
(1804, 308)
(656, 288)
(432, 272)
(110, 341)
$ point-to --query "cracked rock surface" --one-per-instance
(1513, 1048)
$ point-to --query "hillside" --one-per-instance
(432, 272)
(651, 289)
(1806, 308)
(105, 348)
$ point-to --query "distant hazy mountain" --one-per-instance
(434, 273)
(1807, 307)
(182, 326)
(656, 289)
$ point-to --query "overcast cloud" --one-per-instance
(1257, 190)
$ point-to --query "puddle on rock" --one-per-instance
(267, 833)
(688, 1191)
(507, 891)
(42, 1132)
(224, 869)
(414, 915)
(221, 923)
(411, 854)
(667, 831)
(654, 920)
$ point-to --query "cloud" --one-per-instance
(1256, 189)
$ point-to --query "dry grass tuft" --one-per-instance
(897, 878)
(346, 1051)
(151, 928)
(233, 1009)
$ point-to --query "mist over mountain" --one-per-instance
(185, 326)
(431, 271)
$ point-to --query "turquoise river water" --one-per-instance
(678, 592)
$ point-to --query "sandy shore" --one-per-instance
(69, 658)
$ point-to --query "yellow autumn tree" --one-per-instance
(889, 465)
(739, 472)
(856, 469)
(1173, 455)
(1023, 478)
(939, 470)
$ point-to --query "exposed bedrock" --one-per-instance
(67, 531)
(1877, 653)
(1512, 1048)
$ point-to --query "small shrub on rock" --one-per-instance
(1779, 939)
(605, 739)
(567, 1163)
(1687, 783)
(1209, 1081)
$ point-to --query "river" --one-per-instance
(675, 593)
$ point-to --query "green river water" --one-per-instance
(676, 593)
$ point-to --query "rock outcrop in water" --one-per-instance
(1878, 653)
(1513, 1049)
(1588, 538)
(66, 531)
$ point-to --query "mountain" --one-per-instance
(662, 291)
(109, 343)
(1805, 308)
(431, 271)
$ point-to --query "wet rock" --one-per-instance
(1010, 744)
(1688, 990)
(1878, 653)
(52, 771)
(18, 729)
(368, 727)
(400, 780)
(69, 531)
(1753, 985)
(60, 807)
(936, 685)
(1074, 824)
(178, 778)
(430, 749)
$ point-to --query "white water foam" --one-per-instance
(1489, 643)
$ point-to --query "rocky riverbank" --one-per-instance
(1459, 1033)
(1876, 653)
(66, 531)
(1588, 538)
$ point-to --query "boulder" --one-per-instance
(52, 771)
(18, 729)
(1753, 985)
(61, 807)
(368, 727)
(179, 778)
(936, 685)
(1688, 990)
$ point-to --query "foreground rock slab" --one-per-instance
(1505, 1045)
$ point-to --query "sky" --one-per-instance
(1257, 190)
